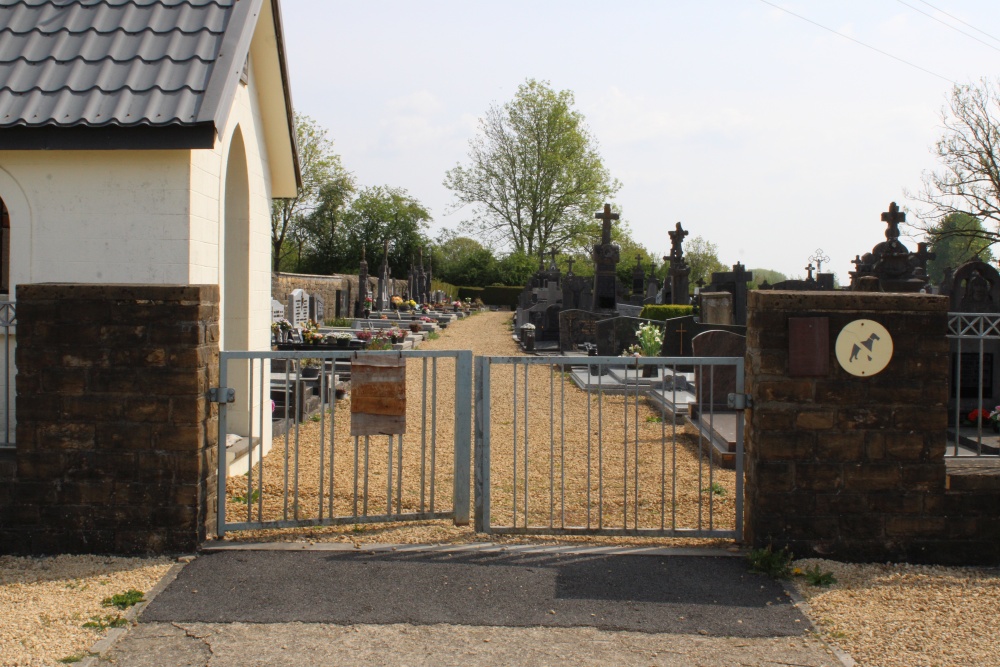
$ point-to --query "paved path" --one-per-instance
(469, 608)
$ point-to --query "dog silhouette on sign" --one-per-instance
(867, 344)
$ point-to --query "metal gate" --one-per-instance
(291, 461)
(595, 445)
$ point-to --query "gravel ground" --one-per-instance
(46, 601)
(907, 615)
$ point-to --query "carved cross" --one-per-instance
(922, 255)
(676, 238)
(819, 258)
(553, 253)
(680, 336)
(606, 216)
(570, 262)
(638, 261)
(810, 270)
(857, 262)
(740, 275)
(893, 217)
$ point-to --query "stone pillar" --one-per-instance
(838, 465)
(116, 439)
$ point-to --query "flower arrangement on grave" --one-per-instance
(311, 325)
(650, 339)
(411, 303)
(311, 337)
(424, 318)
(396, 302)
(281, 326)
(456, 304)
(415, 327)
(528, 327)
(979, 416)
(995, 419)
(364, 336)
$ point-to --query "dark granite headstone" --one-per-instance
(605, 255)
(714, 383)
(317, 308)
(577, 327)
(734, 282)
(680, 331)
(615, 334)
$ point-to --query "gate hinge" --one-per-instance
(222, 395)
(740, 402)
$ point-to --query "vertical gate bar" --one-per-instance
(423, 435)
(288, 379)
(300, 408)
(514, 367)
(364, 499)
(740, 416)
(477, 461)
(399, 476)
(250, 436)
(711, 452)
(6, 373)
(673, 457)
(635, 481)
(260, 465)
(552, 446)
(221, 518)
(434, 394)
(625, 448)
(322, 432)
(388, 490)
(562, 451)
(356, 473)
(482, 449)
(699, 386)
(600, 447)
(526, 522)
(333, 436)
(462, 440)
(979, 420)
(958, 393)
(663, 456)
(588, 397)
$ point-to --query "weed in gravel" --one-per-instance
(770, 562)
(106, 621)
(76, 657)
(715, 489)
(243, 499)
(123, 600)
(358, 528)
(816, 577)
(654, 419)
(315, 418)
(433, 335)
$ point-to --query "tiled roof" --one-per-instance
(66, 63)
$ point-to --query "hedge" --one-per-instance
(447, 288)
(471, 293)
(665, 311)
(501, 295)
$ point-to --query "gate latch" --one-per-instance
(739, 402)
(227, 395)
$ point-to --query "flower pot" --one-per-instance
(310, 372)
(343, 342)
(366, 313)
(394, 339)
(649, 371)
(529, 341)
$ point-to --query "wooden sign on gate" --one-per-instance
(378, 394)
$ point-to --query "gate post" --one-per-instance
(842, 464)
(463, 433)
(482, 524)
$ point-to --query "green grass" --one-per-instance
(358, 528)
(654, 419)
(816, 577)
(715, 489)
(433, 335)
(76, 657)
(254, 497)
(772, 563)
(124, 600)
(106, 621)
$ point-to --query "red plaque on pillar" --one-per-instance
(808, 346)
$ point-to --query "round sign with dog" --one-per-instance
(864, 348)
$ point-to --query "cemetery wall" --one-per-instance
(282, 285)
(116, 440)
(853, 467)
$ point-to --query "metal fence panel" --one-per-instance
(301, 467)
(975, 336)
(562, 450)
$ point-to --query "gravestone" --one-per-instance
(716, 307)
(890, 262)
(734, 282)
(605, 255)
(363, 293)
(277, 310)
(638, 281)
(577, 327)
(629, 310)
(678, 332)
(713, 384)
(615, 334)
(382, 293)
(652, 284)
(677, 285)
(975, 288)
(298, 307)
(317, 308)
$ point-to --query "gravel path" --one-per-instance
(44, 602)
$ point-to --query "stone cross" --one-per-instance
(680, 335)
(921, 256)
(606, 216)
(676, 238)
(893, 217)
(553, 265)
(810, 270)
(819, 258)
(570, 272)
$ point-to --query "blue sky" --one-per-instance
(763, 133)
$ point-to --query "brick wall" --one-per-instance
(854, 468)
(116, 440)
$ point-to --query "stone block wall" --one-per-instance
(853, 467)
(116, 439)
(283, 283)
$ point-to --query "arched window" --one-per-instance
(4, 249)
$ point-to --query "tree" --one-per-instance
(535, 177)
(516, 269)
(319, 231)
(955, 240)
(703, 258)
(760, 275)
(460, 260)
(379, 213)
(969, 180)
(319, 165)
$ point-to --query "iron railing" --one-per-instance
(8, 421)
(977, 338)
